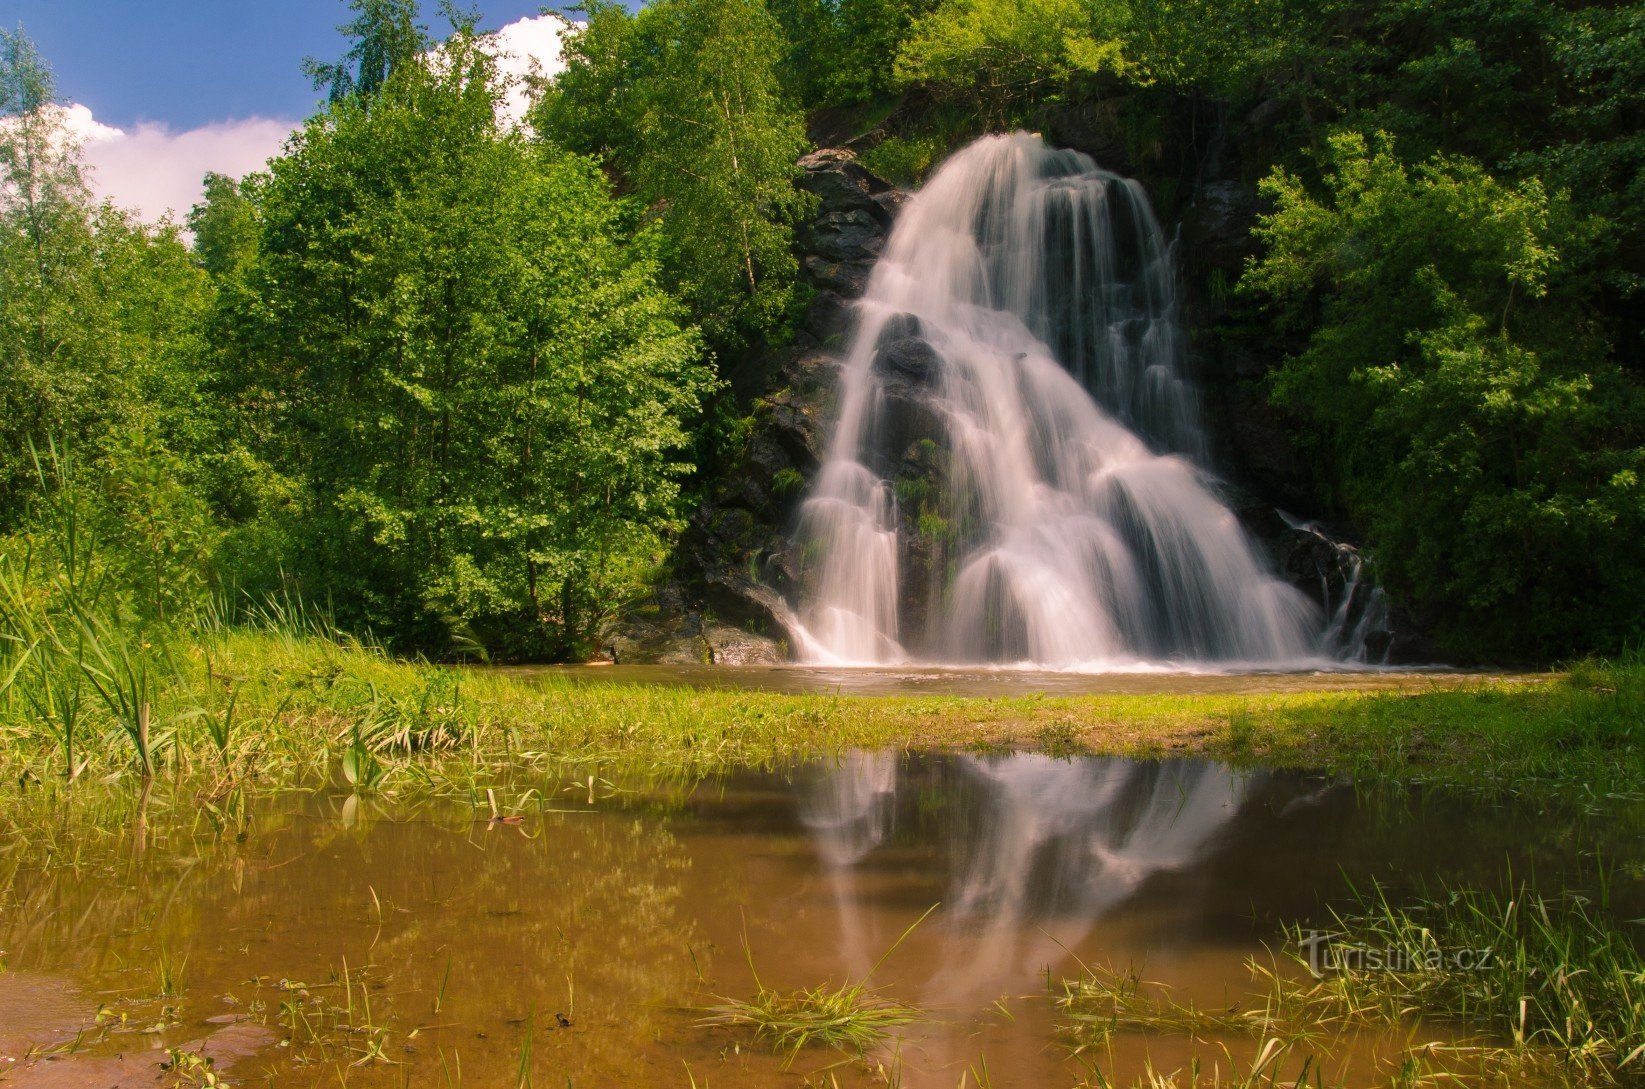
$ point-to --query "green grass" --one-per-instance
(1513, 984)
(286, 706)
(1274, 1066)
(278, 695)
(849, 1017)
(1561, 979)
(1100, 1003)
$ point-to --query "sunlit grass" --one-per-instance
(1561, 977)
(1274, 1066)
(1550, 988)
(299, 701)
(273, 691)
(848, 1017)
(1100, 1002)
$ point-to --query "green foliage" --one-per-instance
(445, 376)
(225, 227)
(1491, 451)
(1600, 57)
(787, 483)
(1004, 51)
(903, 160)
(384, 35)
(683, 99)
(483, 390)
(101, 321)
(843, 52)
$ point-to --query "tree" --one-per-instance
(99, 313)
(1006, 53)
(475, 376)
(1456, 385)
(384, 34)
(685, 102)
(843, 52)
(224, 225)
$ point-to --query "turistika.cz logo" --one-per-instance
(1325, 953)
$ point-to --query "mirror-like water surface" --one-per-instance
(326, 939)
(1003, 682)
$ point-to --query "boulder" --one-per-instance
(908, 360)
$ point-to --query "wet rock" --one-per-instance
(1219, 223)
(845, 236)
(899, 327)
(841, 184)
(828, 319)
(847, 278)
(734, 569)
(910, 360)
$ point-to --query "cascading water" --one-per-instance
(1012, 477)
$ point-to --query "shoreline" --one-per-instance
(276, 708)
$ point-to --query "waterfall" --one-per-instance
(1015, 473)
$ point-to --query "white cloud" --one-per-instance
(82, 126)
(154, 169)
(527, 47)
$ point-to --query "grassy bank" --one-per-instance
(284, 700)
(288, 701)
(1468, 986)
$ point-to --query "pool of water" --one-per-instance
(578, 929)
(943, 681)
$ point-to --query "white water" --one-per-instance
(1027, 301)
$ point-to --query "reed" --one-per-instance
(849, 1017)
(1520, 983)
(1562, 977)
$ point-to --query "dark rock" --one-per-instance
(843, 277)
(910, 360)
(853, 235)
(1265, 114)
(854, 211)
(829, 318)
(1097, 126)
(899, 327)
(891, 202)
(1219, 224)
(734, 568)
(841, 183)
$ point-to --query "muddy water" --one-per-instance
(322, 939)
(940, 681)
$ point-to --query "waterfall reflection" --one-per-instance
(1036, 850)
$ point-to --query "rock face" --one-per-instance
(1200, 167)
(733, 571)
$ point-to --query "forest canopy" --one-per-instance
(465, 379)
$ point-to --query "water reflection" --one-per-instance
(628, 911)
(1037, 851)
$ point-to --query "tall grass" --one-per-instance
(1562, 976)
(1521, 983)
(65, 631)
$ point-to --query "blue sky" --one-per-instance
(161, 91)
(186, 63)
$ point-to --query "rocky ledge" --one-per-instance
(733, 570)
